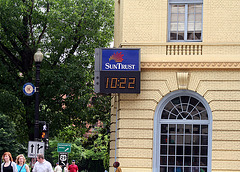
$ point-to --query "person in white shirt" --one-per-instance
(58, 168)
(42, 165)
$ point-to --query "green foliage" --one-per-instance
(12, 107)
(8, 137)
(91, 153)
(67, 31)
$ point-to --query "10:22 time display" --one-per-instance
(121, 83)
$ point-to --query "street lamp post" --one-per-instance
(38, 57)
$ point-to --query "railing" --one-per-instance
(183, 49)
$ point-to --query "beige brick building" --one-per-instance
(187, 116)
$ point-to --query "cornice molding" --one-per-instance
(190, 65)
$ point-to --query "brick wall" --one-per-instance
(214, 73)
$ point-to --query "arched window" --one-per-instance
(182, 133)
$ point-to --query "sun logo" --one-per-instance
(117, 57)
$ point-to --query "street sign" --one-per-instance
(28, 89)
(35, 148)
(63, 158)
(64, 147)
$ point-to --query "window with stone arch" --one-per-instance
(182, 133)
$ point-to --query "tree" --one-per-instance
(67, 31)
(8, 141)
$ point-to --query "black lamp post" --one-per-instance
(38, 57)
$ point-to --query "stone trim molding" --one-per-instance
(190, 65)
(182, 80)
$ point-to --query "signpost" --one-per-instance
(64, 147)
(35, 148)
(63, 158)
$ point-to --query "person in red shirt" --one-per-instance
(73, 167)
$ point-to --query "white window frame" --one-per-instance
(158, 121)
(186, 3)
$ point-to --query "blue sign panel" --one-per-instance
(120, 59)
(28, 89)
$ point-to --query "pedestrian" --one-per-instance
(66, 168)
(57, 168)
(8, 165)
(73, 167)
(42, 165)
(21, 166)
(116, 165)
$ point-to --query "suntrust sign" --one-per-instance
(120, 59)
(117, 70)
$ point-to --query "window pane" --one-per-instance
(180, 35)
(196, 117)
(180, 139)
(187, 161)
(172, 116)
(190, 27)
(181, 18)
(171, 160)
(203, 161)
(174, 18)
(190, 8)
(174, 9)
(195, 169)
(198, 8)
(204, 140)
(163, 139)
(188, 129)
(190, 36)
(172, 139)
(165, 114)
(188, 139)
(204, 129)
(204, 115)
(171, 169)
(176, 101)
(195, 161)
(163, 160)
(181, 27)
(169, 106)
(184, 99)
(196, 129)
(196, 139)
(163, 149)
(179, 169)
(198, 26)
(181, 9)
(188, 150)
(174, 26)
(171, 150)
(193, 101)
(198, 17)
(179, 160)
(204, 150)
(195, 150)
(179, 150)
(164, 128)
(187, 169)
(191, 18)
(163, 169)
(180, 128)
(172, 128)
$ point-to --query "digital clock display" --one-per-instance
(119, 82)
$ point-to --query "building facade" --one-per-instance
(187, 116)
